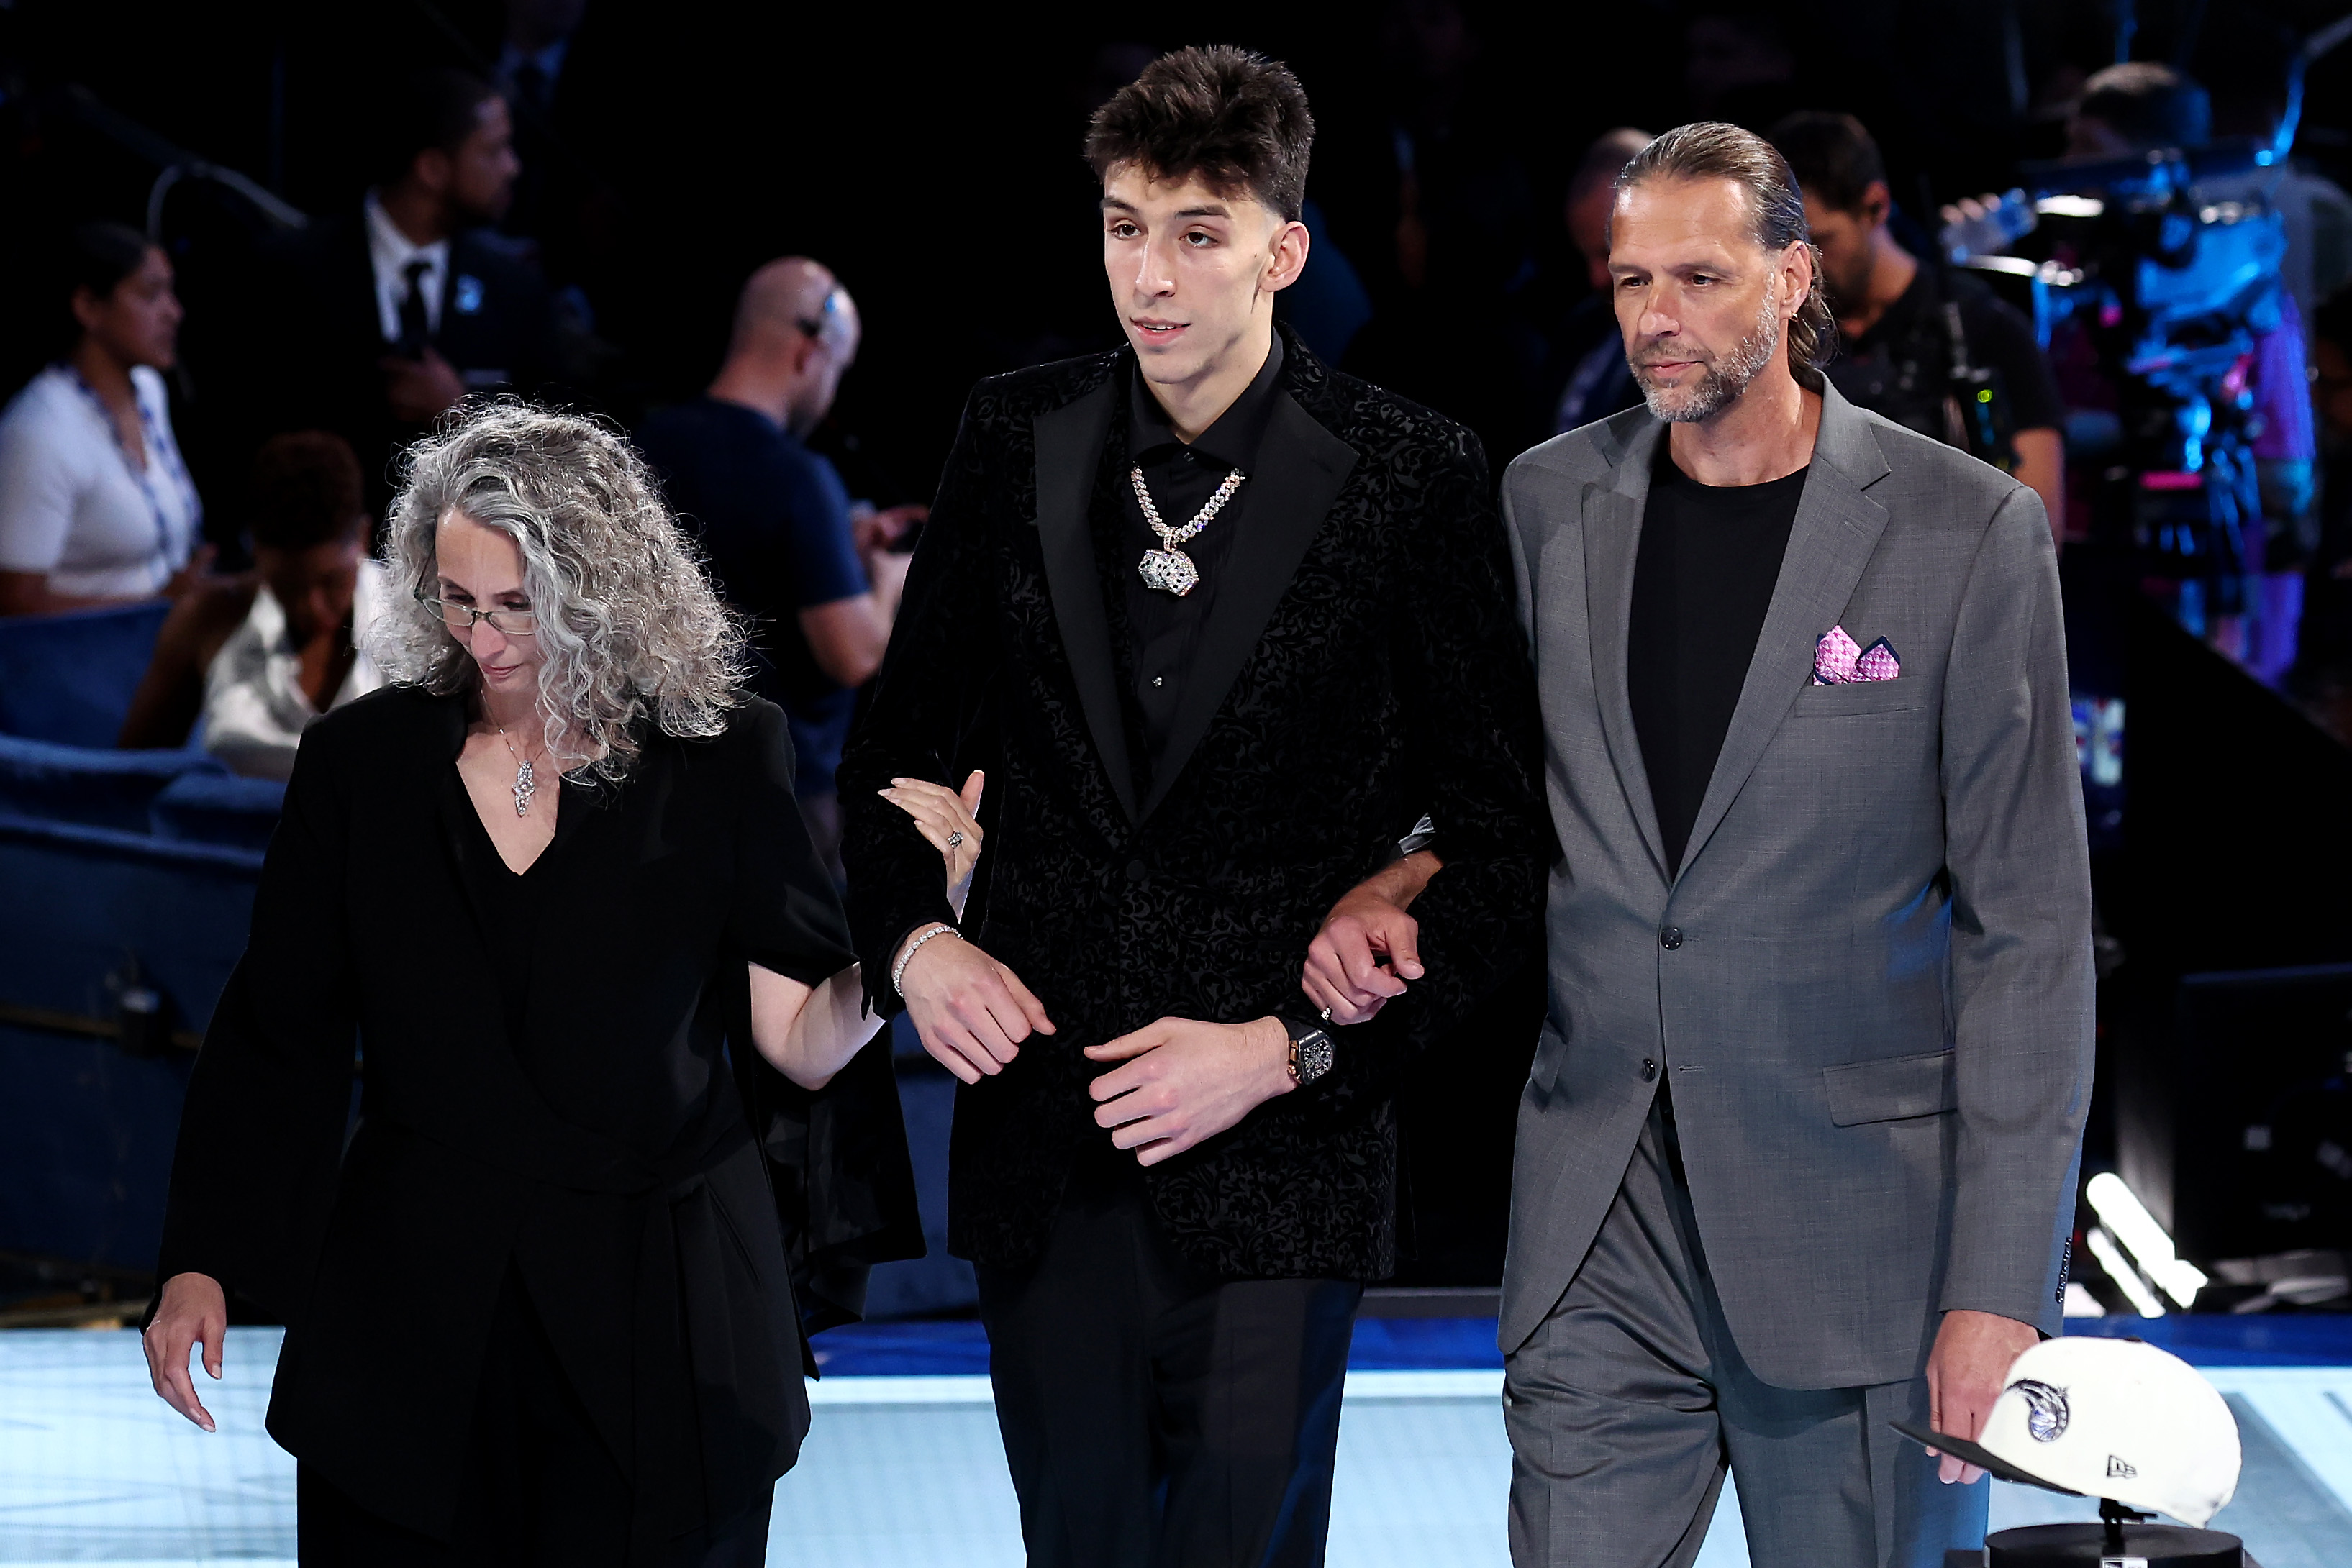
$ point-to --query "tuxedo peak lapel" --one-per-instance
(1301, 468)
(1069, 450)
(1612, 543)
(1831, 541)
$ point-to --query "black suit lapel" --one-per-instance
(463, 338)
(1069, 450)
(353, 298)
(1301, 467)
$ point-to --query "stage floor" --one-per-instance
(903, 1467)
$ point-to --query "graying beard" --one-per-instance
(1726, 379)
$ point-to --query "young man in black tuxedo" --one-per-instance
(1221, 626)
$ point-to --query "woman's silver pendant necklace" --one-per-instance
(525, 784)
(1169, 569)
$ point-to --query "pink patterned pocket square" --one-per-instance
(1839, 661)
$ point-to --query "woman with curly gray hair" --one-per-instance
(541, 1294)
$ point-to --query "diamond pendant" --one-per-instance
(524, 788)
(1170, 570)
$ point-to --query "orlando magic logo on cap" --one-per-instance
(2108, 1418)
(2045, 1409)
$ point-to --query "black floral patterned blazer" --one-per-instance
(1361, 665)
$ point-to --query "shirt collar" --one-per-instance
(391, 250)
(1232, 440)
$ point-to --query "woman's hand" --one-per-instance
(950, 819)
(194, 1312)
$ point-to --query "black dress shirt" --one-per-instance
(1703, 581)
(1163, 629)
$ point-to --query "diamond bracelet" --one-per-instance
(914, 948)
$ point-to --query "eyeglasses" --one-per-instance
(461, 617)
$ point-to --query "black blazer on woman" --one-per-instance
(1360, 664)
(605, 1131)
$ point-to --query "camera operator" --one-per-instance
(2253, 610)
(1905, 326)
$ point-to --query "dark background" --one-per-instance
(931, 157)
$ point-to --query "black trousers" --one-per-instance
(541, 1487)
(1154, 1417)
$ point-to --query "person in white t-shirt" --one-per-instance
(96, 506)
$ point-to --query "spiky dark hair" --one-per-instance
(1235, 119)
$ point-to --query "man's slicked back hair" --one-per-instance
(1234, 119)
(1711, 149)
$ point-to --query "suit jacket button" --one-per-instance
(1671, 937)
(1649, 1070)
(1137, 870)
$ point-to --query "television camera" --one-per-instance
(2167, 265)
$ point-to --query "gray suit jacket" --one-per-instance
(1875, 1016)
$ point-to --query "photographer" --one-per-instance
(1899, 341)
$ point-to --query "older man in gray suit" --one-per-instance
(1796, 1158)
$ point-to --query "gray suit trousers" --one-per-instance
(1629, 1400)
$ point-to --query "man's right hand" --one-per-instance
(972, 1011)
(875, 532)
(195, 1311)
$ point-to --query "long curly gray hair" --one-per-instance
(629, 627)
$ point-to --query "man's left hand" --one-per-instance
(1966, 1373)
(1184, 1082)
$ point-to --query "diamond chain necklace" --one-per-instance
(1169, 569)
(525, 784)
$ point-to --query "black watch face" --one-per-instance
(1314, 1056)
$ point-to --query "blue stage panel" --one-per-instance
(2267, 1339)
(1387, 1344)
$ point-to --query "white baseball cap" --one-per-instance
(2111, 1419)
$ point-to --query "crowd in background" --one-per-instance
(593, 201)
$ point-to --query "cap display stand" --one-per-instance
(2122, 1539)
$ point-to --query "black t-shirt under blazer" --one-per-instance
(593, 1120)
(1709, 560)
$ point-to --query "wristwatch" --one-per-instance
(1310, 1051)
